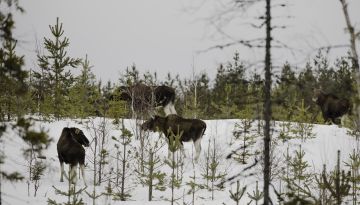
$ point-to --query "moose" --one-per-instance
(143, 97)
(331, 106)
(188, 129)
(71, 151)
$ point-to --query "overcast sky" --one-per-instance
(166, 35)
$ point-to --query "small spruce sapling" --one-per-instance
(238, 193)
(339, 183)
(299, 179)
(124, 156)
(36, 141)
(301, 129)
(354, 165)
(174, 144)
(212, 173)
(72, 194)
(242, 133)
(257, 195)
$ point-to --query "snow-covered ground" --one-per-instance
(320, 150)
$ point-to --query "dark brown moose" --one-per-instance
(144, 98)
(331, 106)
(70, 150)
(189, 129)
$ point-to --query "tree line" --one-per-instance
(52, 89)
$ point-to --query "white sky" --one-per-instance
(166, 35)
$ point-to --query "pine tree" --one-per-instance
(257, 195)
(354, 165)
(214, 173)
(37, 142)
(72, 194)
(152, 176)
(339, 183)
(83, 93)
(300, 178)
(13, 87)
(54, 73)
(238, 193)
(301, 129)
(174, 144)
(246, 140)
(124, 156)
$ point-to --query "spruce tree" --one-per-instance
(300, 178)
(303, 130)
(54, 66)
(83, 93)
(125, 156)
(174, 144)
(338, 183)
(257, 195)
(238, 193)
(246, 140)
(152, 176)
(213, 172)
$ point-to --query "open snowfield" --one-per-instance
(320, 150)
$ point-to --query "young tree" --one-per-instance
(54, 66)
(174, 144)
(338, 184)
(242, 134)
(257, 195)
(36, 142)
(83, 93)
(213, 172)
(152, 176)
(238, 193)
(124, 156)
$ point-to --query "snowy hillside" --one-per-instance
(320, 150)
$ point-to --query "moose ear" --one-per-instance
(77, 131)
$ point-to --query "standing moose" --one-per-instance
(70, 150)
(144, 98)
(189, 129)
(331, 106)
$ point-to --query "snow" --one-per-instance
(320, 150)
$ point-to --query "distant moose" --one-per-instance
(331, 106)
(70, 150)
(144, 98)
(189, 129)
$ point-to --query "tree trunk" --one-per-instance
(267, 105)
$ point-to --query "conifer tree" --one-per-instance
(123, 172)
(83, 93)
(246, 140)
(72, 194)
(300, 178)
(214, 174)
(339, 183)
(152, 176)
(257, 195)
(238, 193)
(54, 65)
(354, 165)
(174, 144)
(36, 142)
(301, 129)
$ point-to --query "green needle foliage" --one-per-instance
(54, 73)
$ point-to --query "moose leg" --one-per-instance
(197, 145)
(83, 173)
(72, 175)
(62, 171)
(182, 150)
